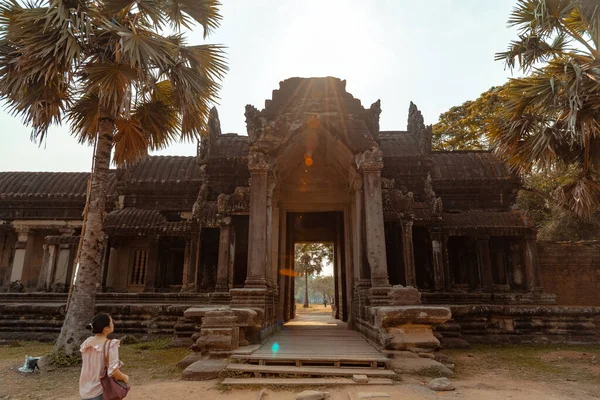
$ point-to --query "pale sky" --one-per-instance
(437, 53)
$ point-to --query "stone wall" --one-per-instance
(572, 271)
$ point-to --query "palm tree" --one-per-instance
(309, 260)
(107, 69)
(551, 117)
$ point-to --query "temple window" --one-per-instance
(139, 267)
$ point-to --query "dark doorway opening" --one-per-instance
(321, 227)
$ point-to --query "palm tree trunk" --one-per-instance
(305, 290)
(83, 299)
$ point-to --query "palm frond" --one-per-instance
(131, 144)
(184, 12)
(84, 118)
(159, 122)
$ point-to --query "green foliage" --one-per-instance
(62, 360)
(310, 257)
(553, 221)
(550, 119)
(88, 61)
(465, 127)
(324, 285)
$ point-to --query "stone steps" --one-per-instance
(258, 370)
(309, 382)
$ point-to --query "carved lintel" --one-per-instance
(259, 162)
(370, 160)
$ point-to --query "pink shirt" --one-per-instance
(92, 368)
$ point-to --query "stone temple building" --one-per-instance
(219, 229)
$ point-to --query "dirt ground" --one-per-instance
(485, 372)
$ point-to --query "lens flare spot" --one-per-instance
(275, 347)
(288, 272)
(308, 161)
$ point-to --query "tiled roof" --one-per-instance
(171, 169)
(398, 143)
(45, 185)
(467, 165)
(230, 145)
(133, 221)
(483, 219)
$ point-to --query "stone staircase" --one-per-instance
(312, 350)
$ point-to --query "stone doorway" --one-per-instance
(322, 227)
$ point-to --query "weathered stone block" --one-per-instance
(204, 370)
(219, 339)
(419, 366)
(404, 296)
(408, 336)
(399, 315)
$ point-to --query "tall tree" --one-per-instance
(310, 258)
(550, 119)
(107, 69)
(324, 285)
(465, 127)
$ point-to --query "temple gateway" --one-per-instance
(215, 233)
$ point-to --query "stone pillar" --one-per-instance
(48, 264)
(484, 262)
(224, 253)
(257, 241)
(186, 274)
(64, 265)
(531, 263)
(408, 253)
(152, 266)
(446, 262)
(371, 163)
(195, 256)
(21, 254)
(360, 273)
(437, 258)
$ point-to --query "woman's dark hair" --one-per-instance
(99, 322)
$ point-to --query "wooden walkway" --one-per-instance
(316, 339)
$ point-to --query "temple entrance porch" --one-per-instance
(314, 227)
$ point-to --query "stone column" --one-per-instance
(408, 253)
(371, 163)
(437, 258)
(484, 262)
(48, 263)
(360, 273)
(195, 275)
(271, 279)
(185, 276)
(531, 262)
(21, 254)
(224, 253)
(257, 241)
(446, 262)
(152, 266)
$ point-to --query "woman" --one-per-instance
(92, 353)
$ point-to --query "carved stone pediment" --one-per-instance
(238, 202)
(396, 204)
(317, 104)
